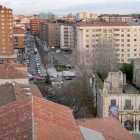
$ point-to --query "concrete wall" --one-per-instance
(21, 81)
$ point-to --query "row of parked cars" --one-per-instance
(38, 66)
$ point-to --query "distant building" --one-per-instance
(19, 36)
(34, 25)
(116, 17)
(46, 15)
(85, 15)
(50, 32)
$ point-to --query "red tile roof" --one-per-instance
(54, 121)
(11, 71)
(101, 23)
(18, 30)
(37, 118)
(110, 128)
(137, 59)
(16, 120)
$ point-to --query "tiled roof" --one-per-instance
(16, 120)
(137, 59)
(110, 128)
(101, 23)
(35, 91)
(7, 94)
(37, 118)
(18, 30)
(11, 71)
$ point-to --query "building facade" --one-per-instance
(6, 31)
(19, 36)
(125, 37)
(34, 25)
(50, 32)
(120, 100)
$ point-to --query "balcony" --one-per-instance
(128, 108)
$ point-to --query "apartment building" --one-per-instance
(6, 31)
(34, 24)
(116, 17)
(66, 37)
(50, 32)
(19, 38)
(125, 37)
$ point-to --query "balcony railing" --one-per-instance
(128, 108)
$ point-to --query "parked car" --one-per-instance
(34, 72)
(40, 79)
(40, 74)
(68, 78)
(39, 71)
(32, 78)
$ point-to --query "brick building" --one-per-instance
(19, 38)
(6, 30)
(34, 24)
(50, 32)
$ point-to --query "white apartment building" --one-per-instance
(83, 15)
(114, 18)
(126, 37)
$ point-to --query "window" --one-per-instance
(87, 46)
(122, 60)
(122, 35)
(87, 35)
(122, 45)
(122, 30)
(87, 30)
(128, 35)
(135, 54)
(122, 55)
(122, 50)
(128, 30)
(93, 30)
(128, 50)
(128, 40)
(2, 11)
(135, 39)
(128, 45)
(127, 104)
(135, 49)
(128, 55)
(113, 102)
(122, 40)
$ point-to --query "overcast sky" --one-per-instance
(63, 7)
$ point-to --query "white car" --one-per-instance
(58, 51)
(39, 71)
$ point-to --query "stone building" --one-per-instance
(136, 72)
(121, 100)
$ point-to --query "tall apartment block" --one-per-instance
(50, 32)
(6, 31)
(34, 25)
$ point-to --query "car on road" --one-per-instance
(58, 51)
(32, 78)
(40, 74)
(38, 68)
(39, 71)
(68, 78)
(34, 72)
(40, 79)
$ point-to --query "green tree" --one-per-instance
(47, 80)
(128, 70)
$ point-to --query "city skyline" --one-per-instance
(64, 7)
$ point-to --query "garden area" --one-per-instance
(60, 68)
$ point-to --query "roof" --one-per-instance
(101, 23)
(106, 127)
(18, 30)
(89, 134)
(137, 59)
(35, 91)
(36, 118)
(11, 71)
(134, 23)
(7, 94)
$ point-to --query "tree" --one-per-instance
(128, 70)
(47, 80)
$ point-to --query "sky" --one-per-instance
(63, 7)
